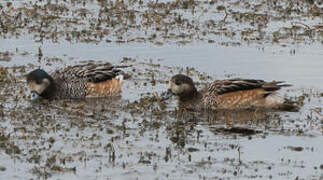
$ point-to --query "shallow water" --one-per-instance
(136, 136)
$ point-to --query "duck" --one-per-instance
(229, 94)
(78, 81)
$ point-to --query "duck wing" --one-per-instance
(90, 72)
(220, 87)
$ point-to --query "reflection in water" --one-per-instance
(232, 120)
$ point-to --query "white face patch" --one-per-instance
(170, 85)
(174, 88)
(39, 88)
(120, 77)
(179, 89)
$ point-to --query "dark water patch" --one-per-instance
(295, 148)
(237, 130)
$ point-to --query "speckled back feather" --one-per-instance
(220, 87)
(89, 72)
(72, 81)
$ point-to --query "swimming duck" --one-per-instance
(226, 94)
(80, 81)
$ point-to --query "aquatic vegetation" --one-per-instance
(137, 134)
(80, 133)
(181, 22)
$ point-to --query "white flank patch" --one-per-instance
(119, 77)
(274, 99)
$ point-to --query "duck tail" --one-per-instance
(121, 75)
(275, 85)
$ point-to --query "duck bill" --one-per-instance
(34, 96)
(167, 95)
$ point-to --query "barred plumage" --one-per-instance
(226, 94)
(78, 81)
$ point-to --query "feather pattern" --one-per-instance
(74, 81)
(237, 93)
(225, 94)
(220, 87)
(89, 72)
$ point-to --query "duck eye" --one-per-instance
(177, 82)
(38, 82)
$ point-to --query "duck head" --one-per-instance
(182, 86)
(40, 84)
